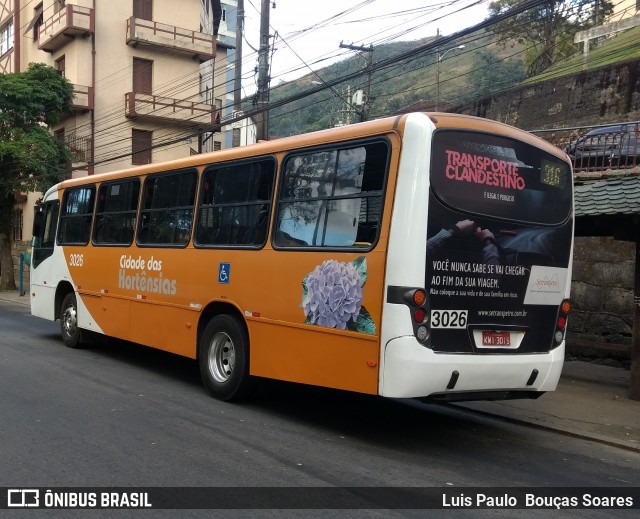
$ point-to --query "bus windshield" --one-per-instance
(500, 177)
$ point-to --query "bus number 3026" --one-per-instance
(76, 260)
(448, 318)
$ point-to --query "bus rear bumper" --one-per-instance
(413, 371)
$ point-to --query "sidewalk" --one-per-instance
(14, 297)
(591, 402)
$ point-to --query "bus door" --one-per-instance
(45, 224)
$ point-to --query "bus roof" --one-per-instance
(355, 131)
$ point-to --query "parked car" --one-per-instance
(606, 147)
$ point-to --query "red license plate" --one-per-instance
(497, 339)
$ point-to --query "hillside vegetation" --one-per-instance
(464, 74)
(480, 69)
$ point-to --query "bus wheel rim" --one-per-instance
(70, 320)
(222, 357)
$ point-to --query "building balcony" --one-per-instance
(173, 39)
(82, 98)
(66, 24)
(80, 148)
(176, 111)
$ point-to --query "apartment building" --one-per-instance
(135, 66)
(624, 9)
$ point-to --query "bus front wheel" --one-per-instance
(224, 358)
(69, 321)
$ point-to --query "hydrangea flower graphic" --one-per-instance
(332, 296)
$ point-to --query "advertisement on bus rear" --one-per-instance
(498, 244)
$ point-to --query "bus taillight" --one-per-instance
(561, 323)
(416, 299)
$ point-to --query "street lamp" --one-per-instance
(440, 56)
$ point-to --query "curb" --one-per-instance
(548, 428)
(19, 300)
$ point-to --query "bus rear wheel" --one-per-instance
(224, 358)
(69, 321)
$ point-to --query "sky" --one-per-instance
(310, 31)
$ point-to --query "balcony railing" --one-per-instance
(82, 98)
(69, 22)
(146, 32)
(79, 147)
(177, 111)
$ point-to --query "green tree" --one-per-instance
(492, 74)
(31, 159)
(548, 29)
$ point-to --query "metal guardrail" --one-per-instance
(598, 148)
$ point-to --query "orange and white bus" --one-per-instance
(422, 256)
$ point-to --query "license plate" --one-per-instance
(496, 339)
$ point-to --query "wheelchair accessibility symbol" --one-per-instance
(224, 273)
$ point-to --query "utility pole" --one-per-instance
(236, 132)
(348, 109)
(368, 52)
(262, 95)
(237, 91)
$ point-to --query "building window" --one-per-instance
(17, 225)
(37, 21)
(142, 76)
(141, 146)
(6, 38)
(61, 66)
(217, 145)
(143, 9)
(58, 5)
(236, 138)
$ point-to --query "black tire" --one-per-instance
(223, 355)
(71, 334)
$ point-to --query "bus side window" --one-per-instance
(166, 212)
(76, 215)
(116, 213)
(332, 198)
(235, 203)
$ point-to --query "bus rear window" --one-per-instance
(500, 177)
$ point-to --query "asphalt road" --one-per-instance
(117, 414)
